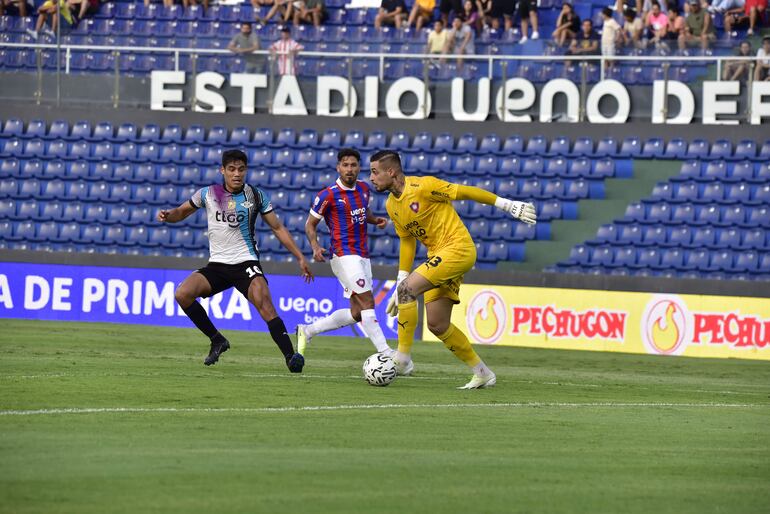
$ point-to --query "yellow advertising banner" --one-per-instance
(615, 321)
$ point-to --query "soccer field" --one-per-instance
(102, 418)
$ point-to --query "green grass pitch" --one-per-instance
(98, 418)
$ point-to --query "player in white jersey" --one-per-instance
(344, 206)
(232, 209)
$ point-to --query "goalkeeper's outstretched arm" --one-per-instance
(523, 211)
(406, 253)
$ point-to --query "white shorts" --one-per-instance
(608, 50)
(354, 273)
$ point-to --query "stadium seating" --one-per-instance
(122, 23)
(713, 219)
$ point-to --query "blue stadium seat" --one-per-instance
(653, 148)
(721, 149)
(489, 144)
(698, 149)
(743, 170)
(608, 146)
(513, 145)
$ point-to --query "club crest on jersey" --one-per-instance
(415, 206)
(230, 204)
(246, 205)
(360, 282)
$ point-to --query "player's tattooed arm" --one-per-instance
(176, 214)
(405, 293)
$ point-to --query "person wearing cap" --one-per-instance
(698, 29)
(286, 49)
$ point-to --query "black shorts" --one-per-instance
(526, 7)
(224, 276)
(447, 6)
(502, 8)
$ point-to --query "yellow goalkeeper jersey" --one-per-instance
(424, 211)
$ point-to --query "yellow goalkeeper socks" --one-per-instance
(407, 324)
(458, 343)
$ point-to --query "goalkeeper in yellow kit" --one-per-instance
(421, 209)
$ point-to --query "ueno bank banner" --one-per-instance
(690, 325)
(607, 101)
(146, 296)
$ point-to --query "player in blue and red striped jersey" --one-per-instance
(344, 207)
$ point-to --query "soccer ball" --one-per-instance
(379, 370)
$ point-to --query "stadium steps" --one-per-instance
(593, 213)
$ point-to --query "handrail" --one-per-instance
(381, 55)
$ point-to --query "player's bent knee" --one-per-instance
(438, 326)
(183, 296)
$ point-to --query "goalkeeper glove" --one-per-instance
(392, 308)
(522, 211)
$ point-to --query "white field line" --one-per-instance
(388, 406)
(359, 377)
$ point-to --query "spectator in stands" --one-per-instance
(166, 3)
(84, 7)
(752, 14)
(50, 9)
(738, 70)
(309, 11)
(567, 25)
(447, 7)
(762, 71)
(286, 8)
(633, 30)
(19, 6)
(698, 28)
(610, 34)
(656, 23)
(246, 43)
(286, 49)
(586, 42)
(675, 26)
(460, 40)
(422, 11)
(528, 13)
(436, 39)
(722, 6)
(485, 8)
(469, 15)
(392, 12)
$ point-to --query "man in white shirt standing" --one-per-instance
(286, 49)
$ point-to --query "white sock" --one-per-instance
(402, 357)
(481, 370)
(337, 319)
(373, 330)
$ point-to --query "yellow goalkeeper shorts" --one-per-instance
(444, 269)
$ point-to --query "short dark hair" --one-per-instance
(246, 23)
(233, 156)
(389, 157)
(607, 12)
(348, 152)
(630, 14)
(766, 38)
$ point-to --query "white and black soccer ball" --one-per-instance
(379, 370)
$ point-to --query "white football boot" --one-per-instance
(481, 382)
